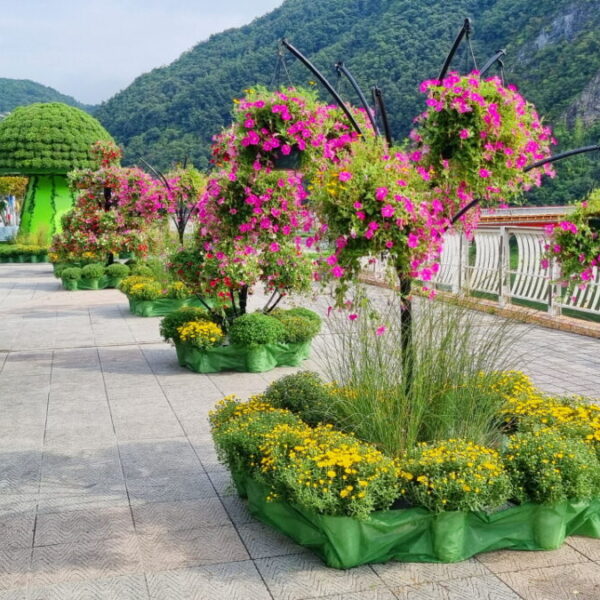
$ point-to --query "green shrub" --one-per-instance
(93, 271)
(306, 313)
(547, 467)
(178, 291)
(239, 430)
(455, 475)
(254, 329)
(298, 329)
(117, 270)
(170, 324)
(127, 283)
(303, 393)
(146, 291)
(142, 271)
(71, 274)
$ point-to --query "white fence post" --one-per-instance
(504, 268)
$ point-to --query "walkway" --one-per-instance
(110, 487)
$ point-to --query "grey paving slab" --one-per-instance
(192, 547)
(570, 582)
(589, 547)
(14, 568)
(234, 581)
(380, 593)
(264, 542)
(302, 576)
(487, 587)
(402, 574)
(128, 587)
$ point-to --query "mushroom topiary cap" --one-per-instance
(48, 138)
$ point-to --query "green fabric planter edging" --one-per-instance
(92, 284)
(238, 358)
(418, 535)
(161, 306)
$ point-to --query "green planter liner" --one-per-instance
(93, 284)
(418, 535)
(161, 306)
(239, 358)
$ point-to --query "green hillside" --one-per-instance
(22, 92)
(552, 46)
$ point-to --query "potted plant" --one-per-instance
(70, 277)
(115, 273)
(91, 275)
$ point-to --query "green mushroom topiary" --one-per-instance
(45, 141)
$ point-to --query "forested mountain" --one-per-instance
(21, 92)
(553, 55)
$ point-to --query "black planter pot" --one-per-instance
(286, 162)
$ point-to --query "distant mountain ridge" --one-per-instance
(22, 92)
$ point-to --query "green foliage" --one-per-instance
(93, 271)
(303, 393)
(149, 290)
(300, 311)
(71, 274)
(10, 250)
(21, 92)
(127, 283)
(548, 467)
(117, 270)
(455, 475)
(174, 320)
(48, 138)
(143, 271)
(298, 329)
(253, 329)
(178, 291)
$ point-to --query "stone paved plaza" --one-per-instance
(110, 487)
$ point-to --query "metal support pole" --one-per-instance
(378, 97)
(324, 81)
(490, 63)
(341, 68)
(466, 29)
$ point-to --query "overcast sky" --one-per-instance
(91, 49)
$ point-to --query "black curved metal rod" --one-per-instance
(466, 29)
(340, 67)
(324, 81)
(540, 163)
(488, 65)
(562, 155)
(380, 104)
(156, 172)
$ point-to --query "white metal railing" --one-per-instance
(506, 263)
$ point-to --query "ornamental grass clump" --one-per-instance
(254, 329)
(327, 471)
(201, 334)
(169, 325)
(547, 467)
(454, 475)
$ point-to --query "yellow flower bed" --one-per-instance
(201, 334)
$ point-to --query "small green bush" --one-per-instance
(455, 475)
(127, 283)
(117, 270)
(254, 329)
(145, 291)
(174, 320)
(93, 271)
(298, 329)
(59, 268)
(142, 271)
(547, 467)
(178, 291)
(71, 274)
(303, 393)
(306, 313)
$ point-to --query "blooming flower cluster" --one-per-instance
(475, 140)
(201, 334)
